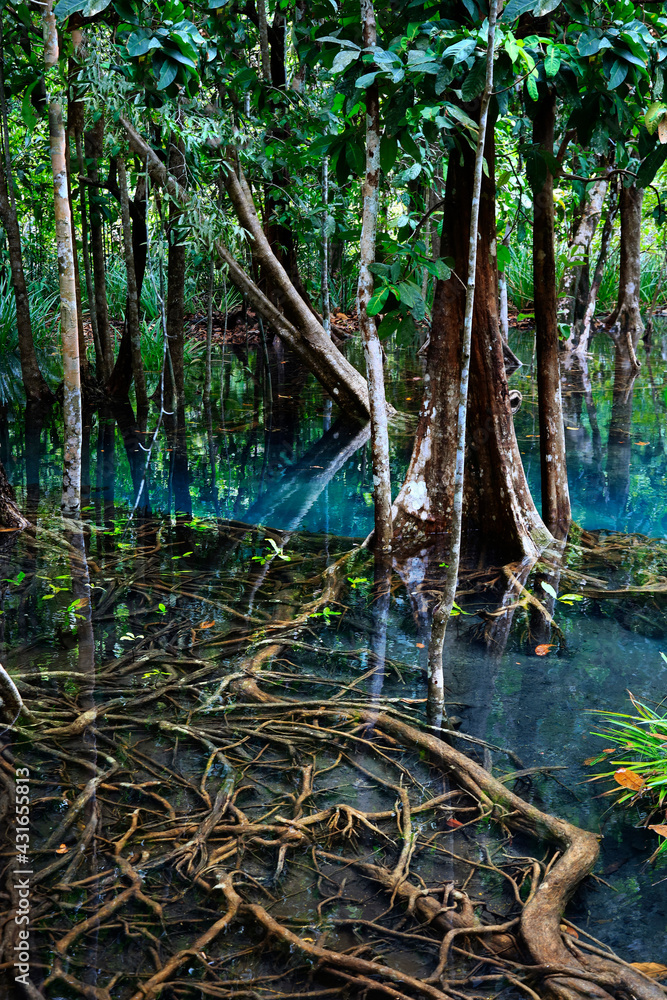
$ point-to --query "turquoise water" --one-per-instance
(295, 467)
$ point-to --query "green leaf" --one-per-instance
(548, 588)
(531, 85)
(140, 42)
(503, 257)
(654, 115)
(365, 80)
(515, 8)
(343, 60)
(389, 325)
(167, 74)
(591, 42)
(618, 74)
(651, 165)
(410, 146)
(377, 300)
(570, 598)
(67, 7)
(27, 111)
(545, 7)
(473, 85)
(552, 62)
(388, 152)
(94, 7)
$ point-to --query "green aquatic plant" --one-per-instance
(640, 773)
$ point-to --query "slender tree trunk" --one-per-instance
(603, 255)
(556, 512)
(503, 303)
(176, 289)
(209, 335)
(133, 321)
(74, 124)
(94, 147)
(370, 339)
(625, 325)
(443, 610)
(71, 495)
(305, 336)
(264, 41)
(87, 270)
(576, 291)
(326, 298)
(36, 389)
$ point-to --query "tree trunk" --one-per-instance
(556, 512)
(501, 523)
(71, 495)
(36, 389)
(326, 297)
(74, 122)
(209, 335)
(307, 339)
(625, 325)
(577, 286)
(603, 254)
(369, 336)
(94, 147)
(132, 318)
(264, 41)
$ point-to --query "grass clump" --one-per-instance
(640, 772)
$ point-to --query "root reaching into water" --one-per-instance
(249, 827)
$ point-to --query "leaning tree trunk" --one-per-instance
(303, 333)
(36, 389)
(500, 521)
(556, 512)
(71, 495)
(369, 335)
(625, 325)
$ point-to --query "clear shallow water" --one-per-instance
(295, 465)
(297, 469)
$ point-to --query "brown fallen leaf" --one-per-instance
(419, 645)
(569, 930)
(206, 624)
(453, 822)
(660, 829)
(628, 779)
(63, 849)
(543, 648)
(651, 969)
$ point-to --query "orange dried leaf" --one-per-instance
(543, 648)
(660, 829)
(454, 822)
(651, 969)
(569, 930)
(63, 849)
(628, 779)
(419, 645)
(206, 624)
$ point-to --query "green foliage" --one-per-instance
(45, 328)
(640, 772)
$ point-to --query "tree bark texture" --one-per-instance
(369, 336)
(36, 389)
(556, 512)
(94, 148)
(625, 324)
(501, 523)
(74, 122)
(132, 319)
(308, 340)
(71, 494)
